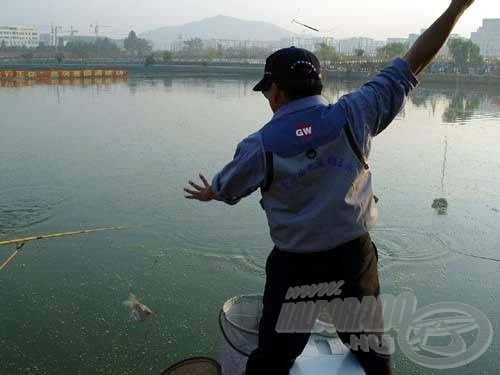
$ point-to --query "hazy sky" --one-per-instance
(373, 18)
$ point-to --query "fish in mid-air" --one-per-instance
(139, 311)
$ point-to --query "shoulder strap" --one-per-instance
(354, 146)
(269, 171)
(270, 159)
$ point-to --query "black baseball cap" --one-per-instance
(290, 65)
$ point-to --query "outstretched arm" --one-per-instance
(433, 39)
(238, 179)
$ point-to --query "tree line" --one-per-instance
(133, 46)
(464, 53)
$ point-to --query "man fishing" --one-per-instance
(310, 162)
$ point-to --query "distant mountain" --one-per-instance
(219, 27)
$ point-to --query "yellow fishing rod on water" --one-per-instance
(22, 241)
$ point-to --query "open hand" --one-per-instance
(202, 193)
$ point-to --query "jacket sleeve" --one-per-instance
(374, 106)
(244, 174)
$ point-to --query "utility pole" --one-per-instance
(97, 27)
(72, 31)
(179, 43)
(53, 35)
(56, 29)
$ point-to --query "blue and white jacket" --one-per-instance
(310, 162)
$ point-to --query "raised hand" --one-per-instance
(202, 193)
(434, 38)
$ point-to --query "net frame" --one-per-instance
(226, 315)
(182, 365)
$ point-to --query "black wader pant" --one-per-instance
(354, 262)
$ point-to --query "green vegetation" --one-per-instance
(194, 45)
(102, 47)
(195, 49)
(150, 60)
(461, 108)
(27, 56)
(137, 47)
(167, 56)
(392, 50)
(59, 57)
(359, 52)
(326, 52)
(465, 54)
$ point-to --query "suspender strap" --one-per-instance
(354, 146)
(270, 160)
(269, 172)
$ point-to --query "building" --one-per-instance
(397, 40)
(19, 36)
(487, 37)
(46, 39)
(310, 44)
(443, 53)
(350, 45)
(235, 44)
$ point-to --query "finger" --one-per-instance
(204, 180)
(191, 192)
(196, 186)
(189, 197)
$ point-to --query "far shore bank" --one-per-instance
(225, 70)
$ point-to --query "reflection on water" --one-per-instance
(218, 88)
(62, 82)
(463, 103)
(106, 155)
(461, 108)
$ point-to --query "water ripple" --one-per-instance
(24, 207)
(248, 263)
(407, 245)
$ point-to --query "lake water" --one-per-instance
(82, 157)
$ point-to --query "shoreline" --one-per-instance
(225, 70)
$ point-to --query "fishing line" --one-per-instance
(147, 331)
(443, 177)
(441, 204)
(445, 159)
(478, 257)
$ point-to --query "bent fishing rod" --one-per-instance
(22, 241)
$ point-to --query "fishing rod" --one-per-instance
(22, 241)
(302, 24)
